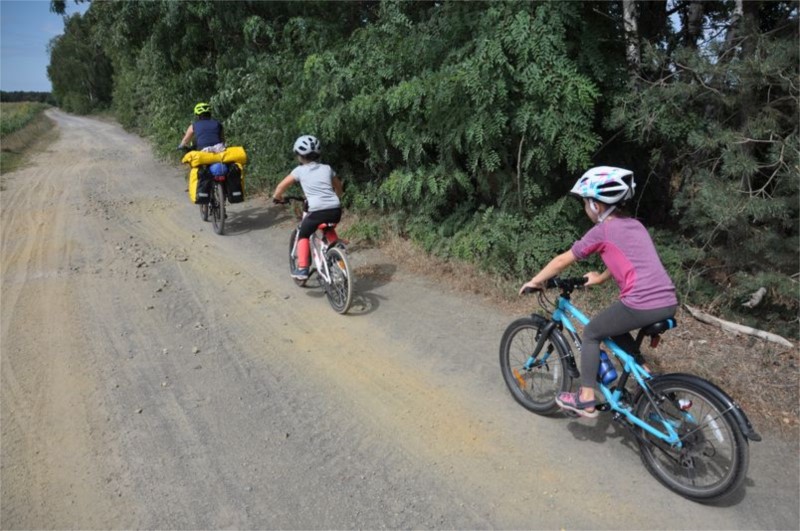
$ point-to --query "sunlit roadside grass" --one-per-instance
(23, 126)
(16, 115)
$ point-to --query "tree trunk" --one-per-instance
(693, 23)
(630, 19)
(733, 26)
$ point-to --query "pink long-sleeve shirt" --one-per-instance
(629, 254)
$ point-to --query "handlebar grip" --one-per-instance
(528, 291)
(566, 282)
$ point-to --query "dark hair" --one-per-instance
(204, 116)
(621, 208)
(311, 157)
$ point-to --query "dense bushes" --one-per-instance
(464, 123)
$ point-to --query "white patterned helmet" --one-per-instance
(307, 144)
(605, 184)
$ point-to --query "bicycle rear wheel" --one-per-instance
(340, 289)
(713, 461)
(293, 257)
(217, 208)
(533, 383)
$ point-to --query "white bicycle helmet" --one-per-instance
(307, 144)
(606, 184)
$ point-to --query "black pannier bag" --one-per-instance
(205, 181)
(233, 184)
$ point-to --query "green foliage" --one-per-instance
(26, 95)
(366, 230)
(732, 160)
(79, 70)
(15, 116)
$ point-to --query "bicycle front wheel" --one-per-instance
(218, 208)
(534, 379)
(712, 462)
(340, 289)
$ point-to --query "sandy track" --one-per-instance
(287, 415)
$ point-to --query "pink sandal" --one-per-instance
(572, 402)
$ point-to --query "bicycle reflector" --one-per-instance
(654, 341)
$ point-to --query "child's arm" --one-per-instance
(337, 186)
(283, 186)
(187, 136)
(556, 266)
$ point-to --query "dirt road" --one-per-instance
(156, 375)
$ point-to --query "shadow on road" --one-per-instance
(367, 278)
(253, 218)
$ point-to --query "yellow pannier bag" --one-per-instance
(192, 184)
(201, 158)
(234, 154)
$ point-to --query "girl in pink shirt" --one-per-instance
(647, 294)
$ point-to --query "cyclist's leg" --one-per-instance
(309, 224)
(333, 215)
(616, 321)
(307, 228)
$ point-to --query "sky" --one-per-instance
(26, 27)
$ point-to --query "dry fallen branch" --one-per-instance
(737, 328)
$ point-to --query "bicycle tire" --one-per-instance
(713, 444)
(204, 211)
(340, 290)
(535, 389)
(293, 258)
(218, 208)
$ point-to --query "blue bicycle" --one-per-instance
(692, 436)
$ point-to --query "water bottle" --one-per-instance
(606, 373)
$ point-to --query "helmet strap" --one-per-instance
(602, 217)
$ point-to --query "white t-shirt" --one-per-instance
(317, 182)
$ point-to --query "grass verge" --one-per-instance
(17, 146)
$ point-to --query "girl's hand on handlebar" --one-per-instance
(531, 286)
(594, 278)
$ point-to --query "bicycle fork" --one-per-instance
(535, 360)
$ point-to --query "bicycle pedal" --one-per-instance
(571, 414)
(603, 407)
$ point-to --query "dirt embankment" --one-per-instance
(155, 375)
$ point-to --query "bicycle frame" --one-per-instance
(561, 315)
(319, 253)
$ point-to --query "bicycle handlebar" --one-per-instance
(566, 284)
(288, 199)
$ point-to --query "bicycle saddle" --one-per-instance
(659, 327)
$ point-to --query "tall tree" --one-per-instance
(79, 70)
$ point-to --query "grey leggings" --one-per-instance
(614, 322)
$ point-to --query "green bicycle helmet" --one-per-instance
(202, 108)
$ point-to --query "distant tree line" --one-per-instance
(464, 123)
(26, 95)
